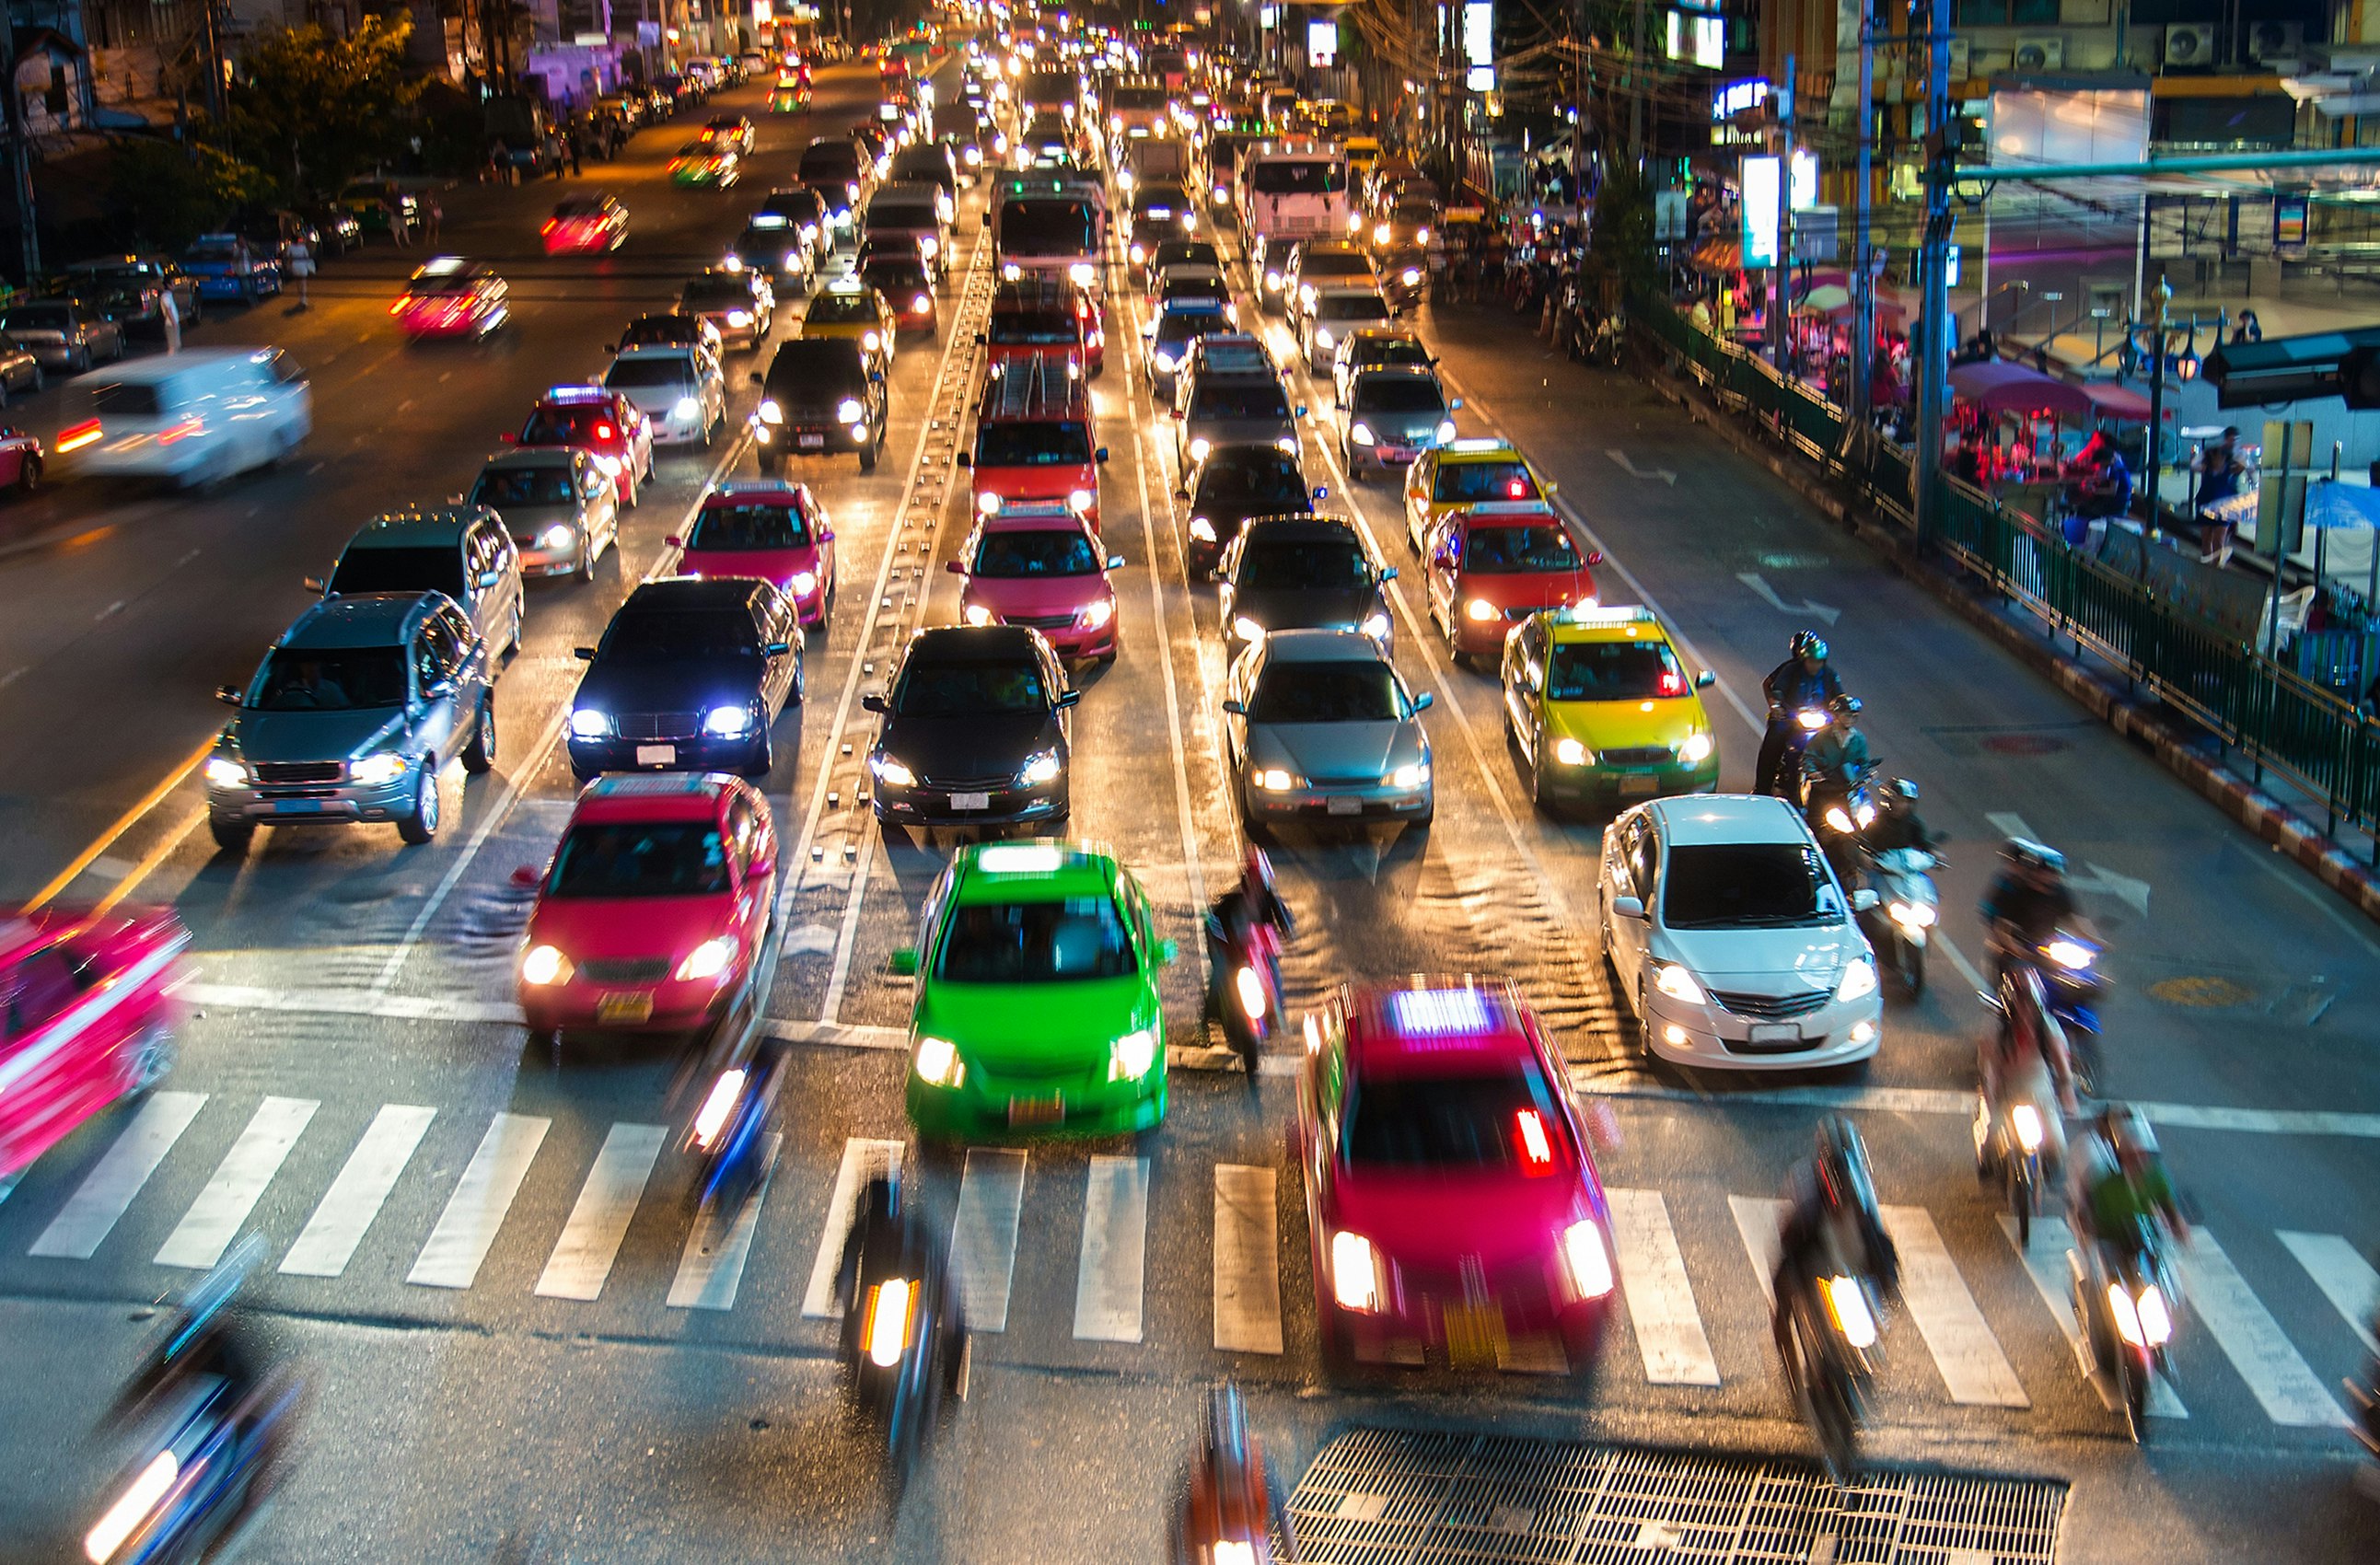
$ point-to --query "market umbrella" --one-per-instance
(1827, 298)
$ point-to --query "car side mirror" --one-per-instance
(1068, 698)
(227, 694)
(1301, 410)
(674, 540)
(1595, 556)
(964, 460)
(1705, 679)
(1236, 708)
(316, 584)
(759, 378)
(1627, 908)
(1552, 488)
(1323, 492)
(1115, 561)
(1456, 405)
(874, 703)
(1865, 899)
(527, 876)
(779, 649)
(1424, 701)
(766, 864)
(1389, 575)
(611, 347)
(584, 654)
(1102, 453)
(489, 579)
(826, 535)
(903, 962)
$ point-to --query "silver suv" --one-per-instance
(352, 716)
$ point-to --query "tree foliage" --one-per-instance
(316, 110)
(1623, 225)
(174, 192)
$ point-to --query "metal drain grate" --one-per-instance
(1390, 1496)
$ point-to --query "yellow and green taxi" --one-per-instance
(1361, 151)
(711, 162)
(791, 95)
(1470, 471)
(1037, 1006)
(1603, 712)
(849, 307)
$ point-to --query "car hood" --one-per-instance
(1764, 962)
(1306, 608)
(299, 736)
(1052, 481)
(1336, 752)
(767, 564)
(1036, 595)
(1400, 428)
(596, 928)
(682, 685)
(979, 744)
(1627, 724)
(1439, 1219)
(1031, 1027)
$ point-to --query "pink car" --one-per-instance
(1037, 563)
(87, 1018)
(1452, 1201)
(771, 530)
(655, 913)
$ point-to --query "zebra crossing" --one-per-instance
(1665, 1320)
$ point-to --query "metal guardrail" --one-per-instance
(2272, 715)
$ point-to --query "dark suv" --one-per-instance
(820, 394)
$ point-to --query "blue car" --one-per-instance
(228, 267)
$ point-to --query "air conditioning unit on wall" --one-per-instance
(2275, 40)
(2189, 43)
(2041, 53)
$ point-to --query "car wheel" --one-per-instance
(231, 836)
(81, 360)
(479, 755)
(513, 642)
(632, 496)
(40, 378)
(29, 475)
(586, 556)
(867, 458)
(151, 1058)
(1539, 799)
(423, 824)
(764, 755)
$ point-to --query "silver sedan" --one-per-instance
(1319, 726)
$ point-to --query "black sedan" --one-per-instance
(1233, 483)
(974, 731)
(1302, 573)
(690, 677)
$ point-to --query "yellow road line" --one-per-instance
(149, 863)
(124, 823)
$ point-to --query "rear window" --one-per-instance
(1032, 444)
(907, 213)
(1276, 177)
(1013, 327)
(894, 276)
(1183, 326)
(626, 375)
(658, 858)
(1484, 480)
(841, 310)
(135, 400)
(1351, 307)
(569, 426)
(749, 527)
(1045, 228)
(1502, 1120)
(426, 568)
(840, 165)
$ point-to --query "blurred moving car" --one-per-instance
(711, 164)
(450, 296)
(196, 417)
(585, 224)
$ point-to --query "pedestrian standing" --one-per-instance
(397, 225)
(300, 258)
(170, 314)
(431, 214)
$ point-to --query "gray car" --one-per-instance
(64, 333)
(1391, 415)
(1318, 725)
(352, 716)
(1222, 400)
(561, 510)
(460, 551)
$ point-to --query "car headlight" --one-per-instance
(588, 723)
(790, 260)
(888, 770)
(870, 341)
(1421, 237)
(1677, 983)
(1859, 979)
(1694, 748)
(1306, 294)
(224, 772)
(1010, 271)
(558, 535)
(1322, 337)
(1570, 752)
(938, 1063)
(1354, 1273)
(1410, 277)
(1355, 223)
(708, 960)
(1375, 624)
(1139, 254)
(972, 156)
(770, 413)
(1202, 529)
(1199, 448)
(1042, 768)
(1099, 614)
(1588, 1263)
(1223, 192)
(544, 965)
(848, 411)
(1411, 776)
(1273, 780)
(1361, 433)
(1481, 610)
(1078, 501)
(1082, 272)
(1381, 234)
(687, 408)
(727, 722)
(1246, 629)
(805, 583)
(1272, 281)
(1133, 1055)
(608, 466)
(1164, 361)
(977, 614)
(739, 318)
(374, 771)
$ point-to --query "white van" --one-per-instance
(192, 418)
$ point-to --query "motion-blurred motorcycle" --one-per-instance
(903, 1325)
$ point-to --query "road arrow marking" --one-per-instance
(2133, 893)
(1634, 471)
(1759, 583)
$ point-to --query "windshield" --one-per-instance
(1413, 214)
(1309, 177)
(837, 165)
(569, 426)
(1327, 563)
(333, 679)
(1259, 481)
(578, 207)
(645, 859)
(1036, 942)
(658, 635)
(440, 283)
(1123, 98)
(842, 309)
(1484, 480)
(1398, 394)
(1033, 443)
(717, 293)
(1045, 226)
(922, 162)
(1182, 252)
(1015, 327)
(1513, 550)
(935, 688)
(1333, 263)
(1746, 886)
(1163, 194)
(1045, 553)
(667, 330)
(1351, 307)
(1501, 1121)
(1613, 670)
(1326, 693)
(1188, 325)
(432, 568)
(628, 373)
(1240, 399)
(749, 526)
(499, 487)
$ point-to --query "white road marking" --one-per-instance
(1634, 471)
(1660, 1296)
(2045, 1264)
(1767, 594)
(983, 1235)
(215, 1219)
(2345, 1278)
(91, 1211)
(2251, 1339)
(862, 1160)
(1109, 1276)
(582, 1257)
(1944, 1311)
(1247, 1261)
(1188, 819)
(456, 1247)
(1757, 1219)
(711, 1269)
(355, 1197)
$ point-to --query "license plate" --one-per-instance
(1475, 1336)
(1776, 1032)
(1397, 453)
(1643, 783)
(1047, 1110)
(638, 1007)
(970, 801)
(810, 442)
(297, 806)
(1344, 806)
(657, 755)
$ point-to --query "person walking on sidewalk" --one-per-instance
(300, 258)
(169, 314)
(2220, 474)
(578, 148)
(431, 215)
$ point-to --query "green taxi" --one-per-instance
(1037, 1005)
(1603, 712)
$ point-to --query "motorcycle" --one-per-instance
(1800, 727)
(2364, 1393)
(1837, 814)
(2011, 1146)
(2123, 1303)
(1826, 1334)
(1244, 986)
(1900, 924)
(728, 1130)
(1227, 1517)
(904, 1327)
(2070, 983)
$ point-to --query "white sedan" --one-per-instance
(1732, 945)
(681, 389)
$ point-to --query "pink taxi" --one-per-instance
(1039, 563)
(770, 529)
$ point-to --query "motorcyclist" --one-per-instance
(2118, 1179)
(205, 1335)
(1802, 682)
(2026, 902)
(2026, 1059)
(1898, 827)
(1834, 761)
(1235, 917)
(1831, 1226)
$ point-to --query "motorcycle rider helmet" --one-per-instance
(2037, 863)
(1842, 1164)
(2128, 1132)
(1809, 644)
(1846, 706)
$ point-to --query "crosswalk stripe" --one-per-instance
(1944, 1311)
(862, 1160)
(84, 1222)
(456, 1247)
(356, 1197)
(1247, 1261)
(712, 1269)
(2251, 1339)
(2345, 1278)
(1108, 1278)
(599, 1219)
(215, 1219)
(1759, 1219)
(1660, 1296)
(2045, 1262)
(983, 1235)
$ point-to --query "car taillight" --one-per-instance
(399, 307)
(550, 226)
(1529, 1138)
(605, 432)
(74, 437)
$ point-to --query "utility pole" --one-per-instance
(215, 64)
(1636, 96)
(2163, 296)
(1780, 286)
(1934, 310)
(1863, 275)
(20, 156)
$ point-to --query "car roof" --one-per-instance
(970, 643)
(167, 367)
(1307, 248)
(1035, 515)
(405, 529)
(1506, 513)
(694, 592)
(1588, 623)
(1727, 817)
(1037, 870)
(1302, 528)
(653, 796)
(1322, 646)
(1435, 1024)
(361, 619)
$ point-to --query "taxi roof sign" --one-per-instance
(1502, 508)
(1615, 614)
(1474, 444)
(1440, 1014)
(658, 785)
(1021, 858)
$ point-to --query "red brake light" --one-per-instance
(549, 227)
(1529, 1137)
(604, 431)
(1672, 683)
(1517, 488)
(74, 437)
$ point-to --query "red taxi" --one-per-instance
(1489, 565)
(1032, 438)
(584, 225)
(87, 1018)
(771, 530)
(1452, 1200)
(655, 912)
(452, 297)
(1035, 563)
(600, 421)
(1041, 314)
